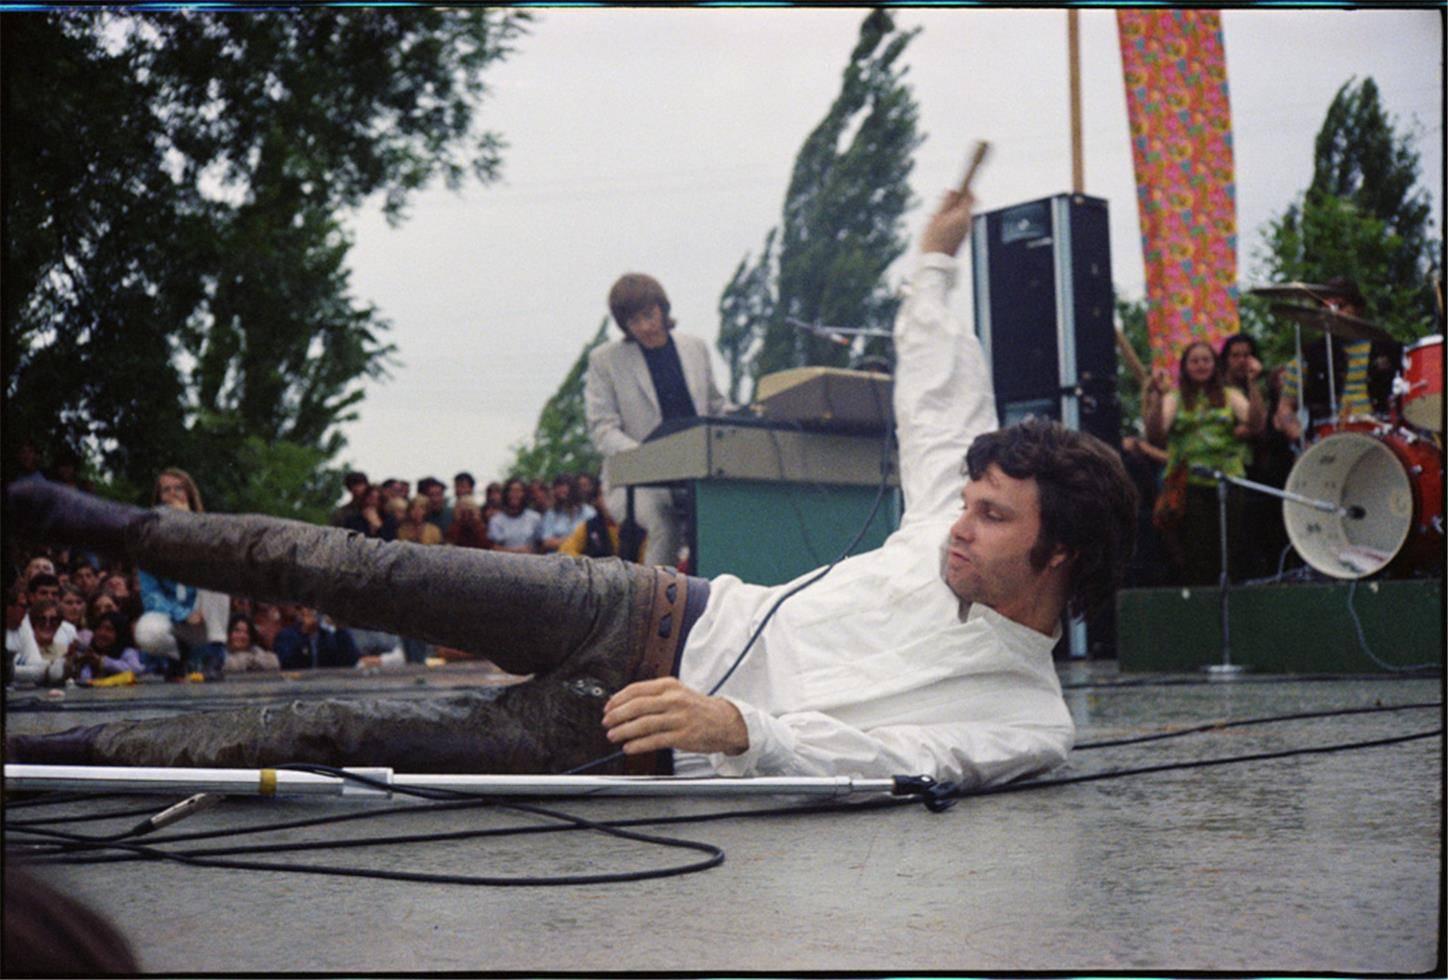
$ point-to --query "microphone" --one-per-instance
(1355, 512)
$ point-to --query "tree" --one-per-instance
(1363, 216)
(841, 225)
(1131, 314)
(560, 443)
(175, 281)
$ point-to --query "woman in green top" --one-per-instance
(1203, 423)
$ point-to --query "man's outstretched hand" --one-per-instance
(950, 223)
(665, 714)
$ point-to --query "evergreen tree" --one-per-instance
(175, 288)
(560, 443)
(1363, 215)
(841, 226)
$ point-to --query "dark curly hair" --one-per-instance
(1088, 502)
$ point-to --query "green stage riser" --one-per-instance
(1282, 629)
(770, 532)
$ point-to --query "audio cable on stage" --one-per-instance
(27, 840)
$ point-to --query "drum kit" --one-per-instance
(1366, 492)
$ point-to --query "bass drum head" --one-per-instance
(1349, 470)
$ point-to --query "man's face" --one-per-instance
(462, 488)
(118, 588)
(1237, 357)
(517, 494)
(648, 328)
(436, 497)
(84, 578)
(988, 553)
(562, 493)
(50, 592)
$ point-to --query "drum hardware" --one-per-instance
(1226, 670)
(1395, 473)
(1333, 322)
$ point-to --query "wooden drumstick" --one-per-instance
(977, 157)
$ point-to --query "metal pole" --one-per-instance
(1226, 669)
(1073, 58)
(286, 782)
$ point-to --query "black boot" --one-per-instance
(53, 512)
(73, 747)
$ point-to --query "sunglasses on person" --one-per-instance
(48, 621)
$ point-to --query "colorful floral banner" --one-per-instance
(1175, 71)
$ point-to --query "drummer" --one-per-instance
(1363, 372)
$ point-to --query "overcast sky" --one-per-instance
(662, 140)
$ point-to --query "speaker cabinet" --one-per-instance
(1043, 311)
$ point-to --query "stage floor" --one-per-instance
(1316, 863)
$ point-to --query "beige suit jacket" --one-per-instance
(620, 404)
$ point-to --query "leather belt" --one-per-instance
(666, 622)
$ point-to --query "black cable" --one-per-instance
(140, 851)
(1217, 725)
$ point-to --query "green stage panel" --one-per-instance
(769, 532)
(1283, 629)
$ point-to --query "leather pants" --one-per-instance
(578, 624)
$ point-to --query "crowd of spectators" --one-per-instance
(73, 616)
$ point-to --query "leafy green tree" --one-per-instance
(1364, 215)
(841, 226)
(175, 280)
(560, 443)
(1131, 315)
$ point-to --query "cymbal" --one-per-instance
(1295, 290)
(1343, 325)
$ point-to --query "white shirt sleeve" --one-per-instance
(971, 754)
(943, 393)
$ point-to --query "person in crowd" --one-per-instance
(567, 512)
(107, 653)
(1202, 423)
(40, 587)
(392, 488)
(117, 585)
(1269, 459)
(99, 605)
(493, 496)
(516, 527)
(369, 518)
(964, 603)
(38, 565)
(83, 576)
(356, 484)
(243, 648)
(266, 622)
(416, 527)
(314, 642)
(27, 462)
(597, 536)
(438, 511)
(1362, 372)
(463, 485)
(182, 624)
(72, 610)
(632, 385)
(468, 529)
(540, 496)
(42, 656)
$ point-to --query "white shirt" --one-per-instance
(35, 664)
(875, 670)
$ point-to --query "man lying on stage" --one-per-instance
(930, 655)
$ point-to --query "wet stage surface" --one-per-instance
(1315, 863)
